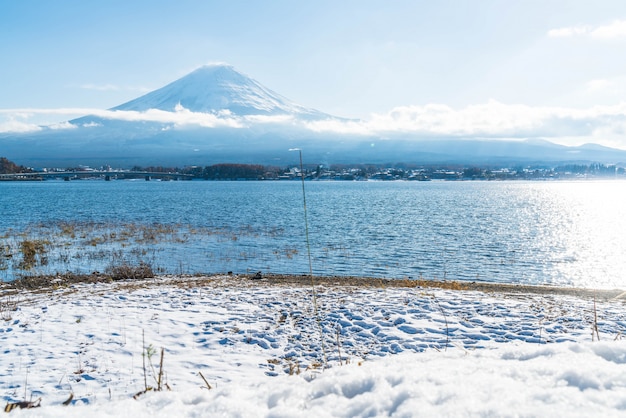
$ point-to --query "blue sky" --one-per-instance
(545, 68)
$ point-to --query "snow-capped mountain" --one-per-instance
(217, 114)
(219, 88)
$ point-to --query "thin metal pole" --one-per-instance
(306, 219)
(308, 248)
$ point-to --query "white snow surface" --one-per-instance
(386, 351)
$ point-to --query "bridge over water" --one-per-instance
(106, 175)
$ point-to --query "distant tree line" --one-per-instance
(225, 171)
(595, 168)
(9, 167)
(239, 172)
(397, 171)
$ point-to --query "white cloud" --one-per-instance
(340, 126)
(33, 119)
(13, 125)
(492, 118)
(269, 118)
(489, 119)
(569, 31)
(617, 29)
(180, 117)
(62, 125)
(20, 120)
(599, 124)
(614, 30)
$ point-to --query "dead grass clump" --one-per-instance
(33, 253)
(22, 405)
(95, 241)
(40, 282)
(67, 229)
(7, 307)
(292, 366)
(5, 254)
(130, 272)
(61, 280)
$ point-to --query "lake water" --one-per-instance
(557, 233)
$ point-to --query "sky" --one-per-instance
(552, 69)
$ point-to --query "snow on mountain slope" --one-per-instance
(218, 88)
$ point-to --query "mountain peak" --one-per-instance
(215, 66)
(216, 88)
(216, 71)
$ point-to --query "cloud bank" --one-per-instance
(604, 125)
(614, 30)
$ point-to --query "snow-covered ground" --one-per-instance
(264, 351)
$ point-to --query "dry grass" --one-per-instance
(33, 253)
(44, 282)
(57, 247)
(130, 272)
(8, 306)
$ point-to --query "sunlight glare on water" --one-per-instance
(587, 227)
(548, 233)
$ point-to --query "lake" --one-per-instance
(556, 233)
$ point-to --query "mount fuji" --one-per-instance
(219, 88)
(216, 114)
(211, 96)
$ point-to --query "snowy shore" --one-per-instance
(369, 349)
